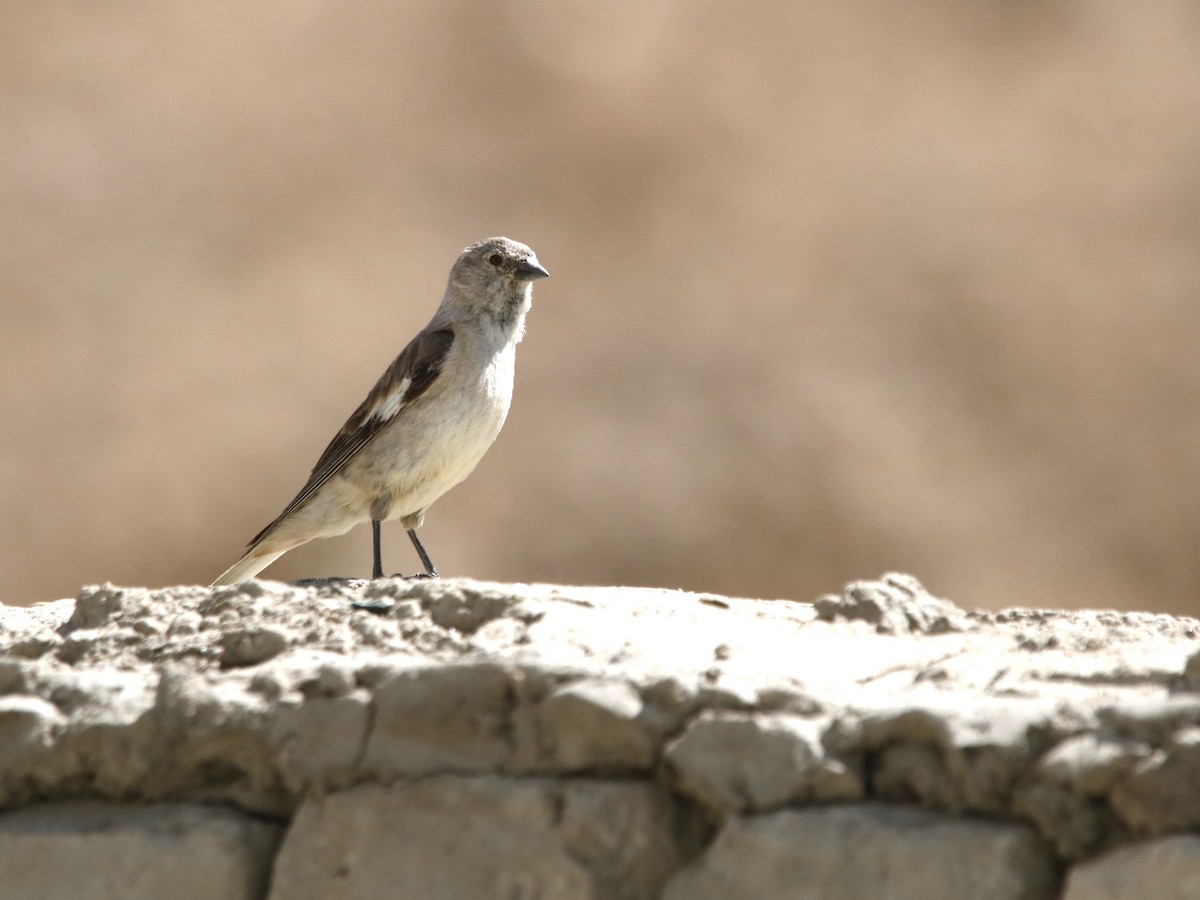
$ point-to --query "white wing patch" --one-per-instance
(390, 404)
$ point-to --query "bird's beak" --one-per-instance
(531, 270)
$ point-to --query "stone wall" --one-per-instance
(455, 739)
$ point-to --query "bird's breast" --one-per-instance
(436, 443)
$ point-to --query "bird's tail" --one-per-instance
(247, 567)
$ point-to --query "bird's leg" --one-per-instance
(430, 571)
(377, 567)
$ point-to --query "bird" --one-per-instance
(425, 424)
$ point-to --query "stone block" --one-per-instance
(744, 762)
(448, 838)
(591, 724)
(440, 718)
(1163, 869)
(855, 852)
(103, 851)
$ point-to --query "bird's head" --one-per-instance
(494, 277)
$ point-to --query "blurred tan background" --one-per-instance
(837, 288)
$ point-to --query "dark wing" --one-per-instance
(406, 379)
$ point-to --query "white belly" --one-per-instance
(434, 445)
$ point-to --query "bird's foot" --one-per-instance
(417, 575)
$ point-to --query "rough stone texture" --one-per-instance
(741, 761)
(567, 709)
(853, 852)
(105, 851)
(1165, 869)
(898, 605)
(447, 838)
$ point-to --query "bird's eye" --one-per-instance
(495, 259)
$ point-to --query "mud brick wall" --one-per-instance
(457, 739)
